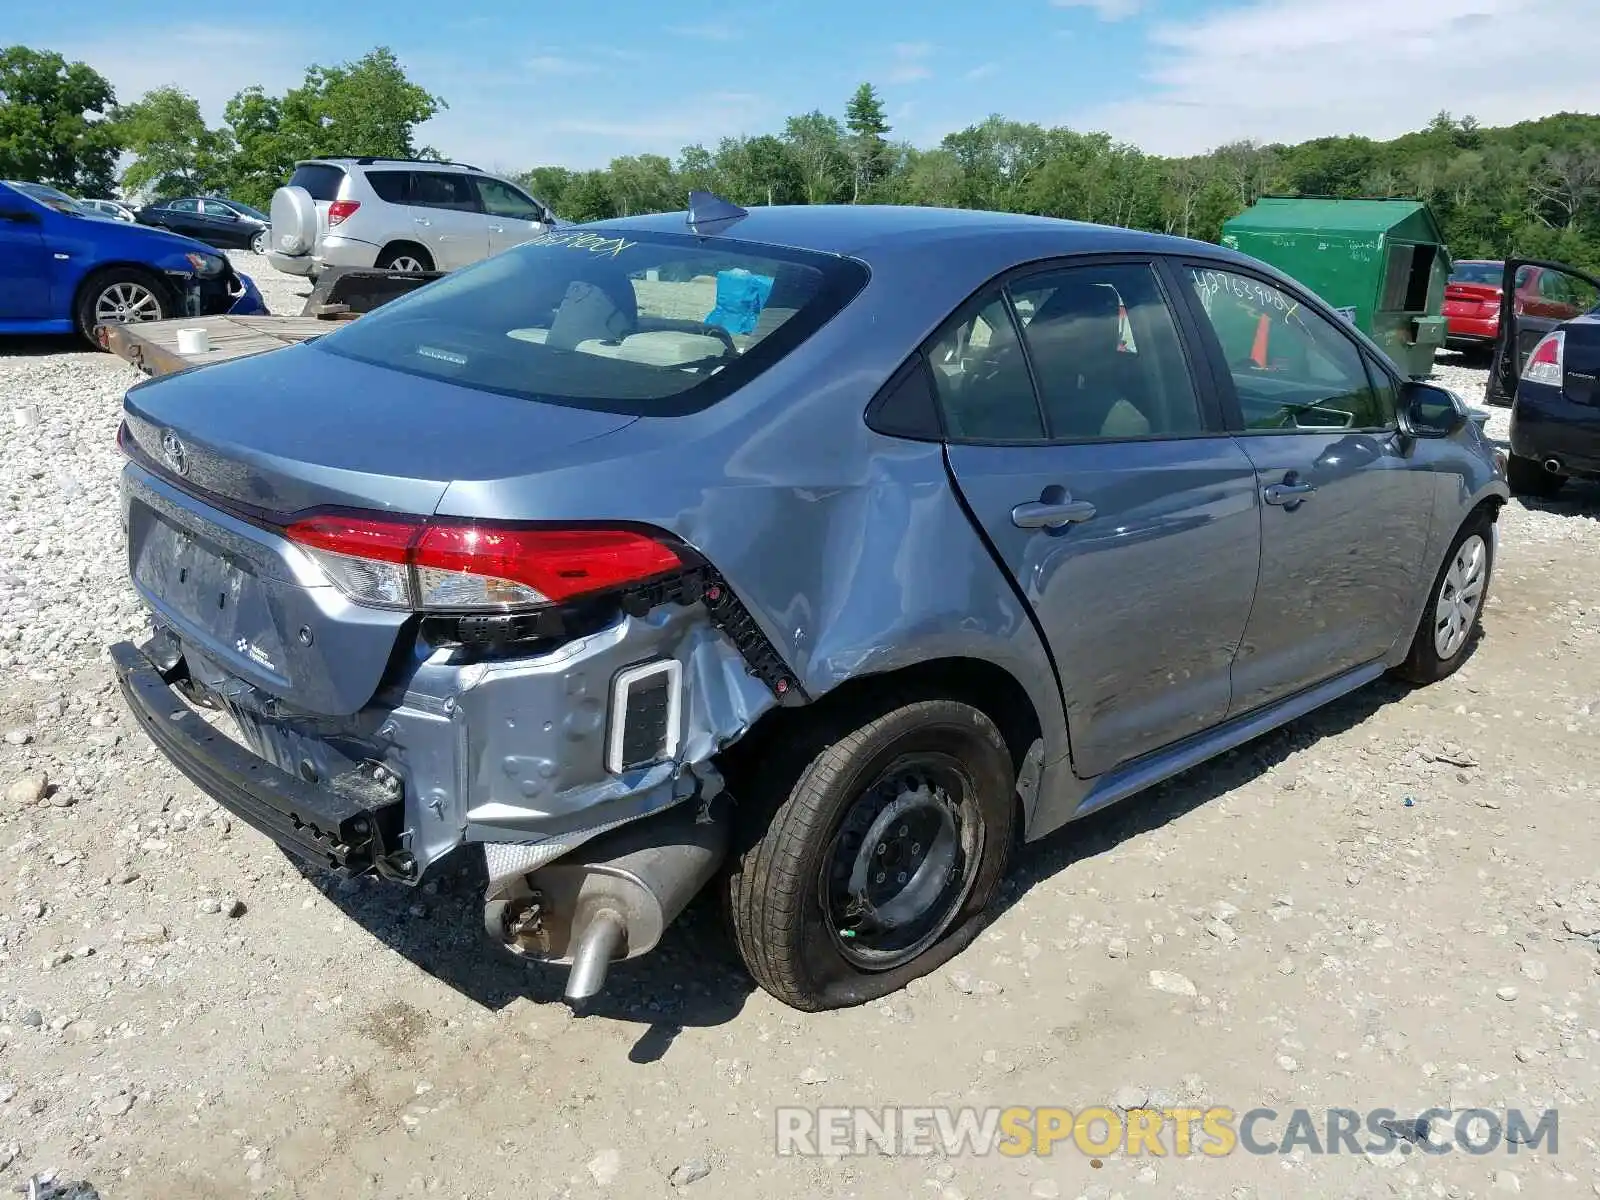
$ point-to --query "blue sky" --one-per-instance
(578, 85)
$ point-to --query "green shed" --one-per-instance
(1382, 263)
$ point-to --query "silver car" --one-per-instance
(398, 214)
(824, 552)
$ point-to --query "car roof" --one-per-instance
(868, 231)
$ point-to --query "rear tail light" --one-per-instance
(340, 209)
(1547, 362)
(466, 566)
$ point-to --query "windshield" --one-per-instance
(619, 320)
(53, 198)
(1478, 272)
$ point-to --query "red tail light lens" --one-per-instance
(1547, 362)
(466, 566)
(340, 209)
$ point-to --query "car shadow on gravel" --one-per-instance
(41, 345)
(1103, 831)
(693, 978)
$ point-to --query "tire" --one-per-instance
(1529, 478)
(803, 846)
(258, 244)
(1468, 565)
(413, 256)
(136, 293)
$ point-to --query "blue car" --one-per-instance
(65, 267)
(824, 552)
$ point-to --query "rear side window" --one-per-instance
(393, 187)
(322, 180)
(651, 324)
(436, 189)
(1105, 350)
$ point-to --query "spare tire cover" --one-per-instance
(294, 221)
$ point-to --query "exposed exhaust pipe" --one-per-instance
(1553, 465)
(612, 898)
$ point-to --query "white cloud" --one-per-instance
(210, 62)
(1106, 10)
(909, 62)
(1287, 70)
(983, 71)
(555, 64)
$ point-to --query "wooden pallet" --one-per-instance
(152, 346)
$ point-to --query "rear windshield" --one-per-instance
(320, 179)
(650, 324)
(1478, 272)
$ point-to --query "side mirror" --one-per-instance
(1430, 411)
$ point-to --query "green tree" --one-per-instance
(54, 122)
(548, 184)
(368, 106)
(817, 143)
(173, 150)
(589, 198)
(869, 147)
(643, 184)
(759, 170)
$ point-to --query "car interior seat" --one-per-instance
(1089, 387)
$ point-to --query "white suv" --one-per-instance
(401, 214)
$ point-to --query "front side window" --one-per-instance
(212, 208)
(1105, 351)
(503, 200)
(1293, 370)
(981, 377)
(184, 206)
(652, 324)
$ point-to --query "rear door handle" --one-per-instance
(1036, 514)
(1287, 495)
(497, 229)
(421, 221)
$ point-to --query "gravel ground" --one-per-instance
(1388, 904)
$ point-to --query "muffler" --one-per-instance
(613, 897)
(1553, 465)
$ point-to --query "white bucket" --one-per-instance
(193, 341)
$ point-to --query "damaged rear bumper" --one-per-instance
(347, 830)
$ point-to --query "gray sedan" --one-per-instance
(825, 553)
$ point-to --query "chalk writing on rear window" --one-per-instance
(592, 242)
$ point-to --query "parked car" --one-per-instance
(110, 208)
(1472, 301)
(225, 224)
(1546, 366)
(555, 556)
(64, 267)
(398, 214)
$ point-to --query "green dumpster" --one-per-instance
(1382, 263)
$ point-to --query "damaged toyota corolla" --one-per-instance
(784, 549)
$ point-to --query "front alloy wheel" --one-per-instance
(125, 302)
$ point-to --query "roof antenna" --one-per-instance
(711, 214)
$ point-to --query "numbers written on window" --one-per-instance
(1293, 370)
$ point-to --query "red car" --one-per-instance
(1472, 301)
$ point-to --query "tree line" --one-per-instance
(1532, 188)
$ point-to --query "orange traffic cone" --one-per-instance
(1258, 350)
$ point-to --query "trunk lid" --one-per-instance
(223, 455)
(1471, 299)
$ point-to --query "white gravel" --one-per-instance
(1394, 903)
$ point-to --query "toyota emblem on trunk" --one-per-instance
(174, 451)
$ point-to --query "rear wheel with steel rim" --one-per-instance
(868, 858)
(120, 296)
(1454, 610)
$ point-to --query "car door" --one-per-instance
(511, 217)
(1346, 505)
(182, 216)
(223, 227)
(447, 218)
(1523, 325)
(25, 263)
(1095, 461)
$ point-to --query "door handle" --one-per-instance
(1036, 514)
(497, 229)
(1287, 495)
(421, 221)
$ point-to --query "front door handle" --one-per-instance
(497, 229)
(421, 221)
(1036, 514)
(1287, 495)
